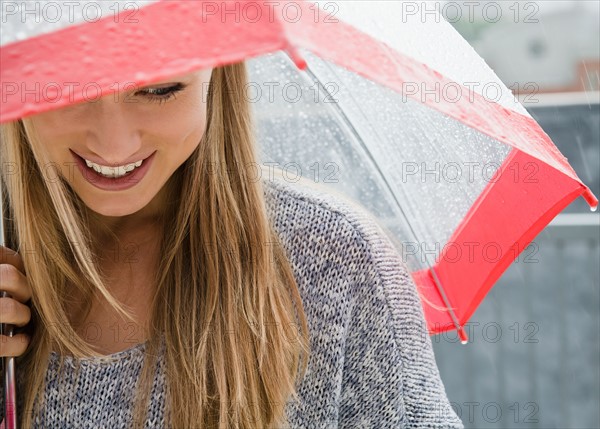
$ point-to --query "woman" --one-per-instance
(234, 300)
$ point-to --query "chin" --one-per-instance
(115, 207)
(119, 212)
(114, 211)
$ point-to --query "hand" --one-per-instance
(13, 310)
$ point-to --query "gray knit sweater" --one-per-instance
(372, 364)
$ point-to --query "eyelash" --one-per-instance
(167, 93)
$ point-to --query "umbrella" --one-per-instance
(383, 102)
(441, 152)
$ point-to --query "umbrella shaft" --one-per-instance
(10, 396)
(10, 390)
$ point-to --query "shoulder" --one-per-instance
(369, 342)
(343, 259)
(321, 214)
(306, 214)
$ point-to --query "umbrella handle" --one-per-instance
(10, 388)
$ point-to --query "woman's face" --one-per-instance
(160, 124)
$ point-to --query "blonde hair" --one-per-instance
(204, 291)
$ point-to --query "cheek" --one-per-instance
(47, 126)
(64, 121)
(49, 130)
(183, 125)
(60, 129)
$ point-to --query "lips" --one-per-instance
(114, 184)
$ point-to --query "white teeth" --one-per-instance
(113, 172)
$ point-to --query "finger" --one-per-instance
(9, 256)
(14, 282)
(13, 346)
(13, 312)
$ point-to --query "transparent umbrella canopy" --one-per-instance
(406, 163)
(383, 102)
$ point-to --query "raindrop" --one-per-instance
(28, 69)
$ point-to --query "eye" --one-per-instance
(161, 95)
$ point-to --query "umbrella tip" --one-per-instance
(301, 64)
(296, 57)
(464, 339)
(591, 199)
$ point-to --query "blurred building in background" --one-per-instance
(532, 360)
(557, 53)
(534, 47)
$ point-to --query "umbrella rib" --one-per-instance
(360, 141)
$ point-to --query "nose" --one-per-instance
(114, 134)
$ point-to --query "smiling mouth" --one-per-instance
(112, 172)
(114, 182)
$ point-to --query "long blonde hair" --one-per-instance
(222, 270)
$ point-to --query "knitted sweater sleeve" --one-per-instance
(390, 376)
